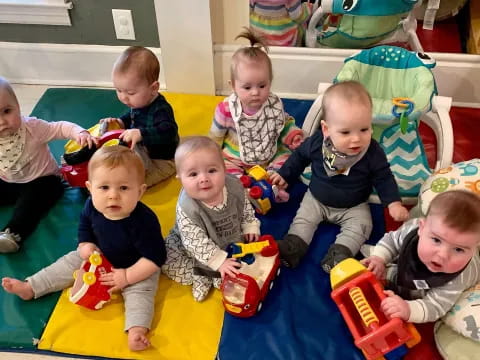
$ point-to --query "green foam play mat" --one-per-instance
(22, 322)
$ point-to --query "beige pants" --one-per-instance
(156, 170)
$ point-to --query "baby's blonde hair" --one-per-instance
(192, 144)
(459, 209)
(252, 53)
(115, 156)
(140, 60)
(350, 91)
(5, 85)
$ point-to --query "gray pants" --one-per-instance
(156, 170)
(355, 223)
(139, 298)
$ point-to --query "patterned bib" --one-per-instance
(258, 134)
(11, 148)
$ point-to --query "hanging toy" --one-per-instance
(407, 105)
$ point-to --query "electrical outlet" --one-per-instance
(123, 22)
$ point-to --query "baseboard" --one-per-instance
(297, 72)
(62, 64)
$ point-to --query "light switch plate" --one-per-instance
(123, 22)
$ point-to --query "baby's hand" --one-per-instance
(111, 120)
(296, 141)
(376, 265)
(132, 136)
(230, 267)
(397, 211)
(117, 279)
(84, 138)
(394, 306)
(250, 237)
(86, 249)
(277, 179)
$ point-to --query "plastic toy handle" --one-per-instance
(403, 123)
(368, 316)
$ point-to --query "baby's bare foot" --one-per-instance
(22, 289)
(137, 339)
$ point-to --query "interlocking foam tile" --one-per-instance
(22, 323)
(182, 328)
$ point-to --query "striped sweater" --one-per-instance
(280, 22)
(274, 137)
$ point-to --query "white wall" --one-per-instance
(228, 18)
(192, 64)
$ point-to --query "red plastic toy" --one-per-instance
(358, 295)
(261, 192)
(86, 290)
(74, 168)
(243, 295)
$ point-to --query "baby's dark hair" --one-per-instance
(190, 144)
(350, 91)
(252, 53)
(141, 60)
(5, 85)
(459, 209)
(114, 156)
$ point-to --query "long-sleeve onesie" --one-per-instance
(246, 140)
(432, 302)
(29, 175)
(196, 245)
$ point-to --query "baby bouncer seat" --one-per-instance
(360, 24)
(403, 91)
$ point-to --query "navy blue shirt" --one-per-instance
(343, 191)
(125, 241)
(157, 125)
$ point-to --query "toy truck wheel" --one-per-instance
(256, 192)
(89, 278)
(246, 181)
(95, 259)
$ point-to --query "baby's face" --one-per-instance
(132, 90)
(115, 191)
(252, 84)
(348, 126)
(442, 248)
(10, 118)
(202, 174)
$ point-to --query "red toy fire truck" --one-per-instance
(358, 295)
(74, 167)
(243, 295)
(87, 291)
